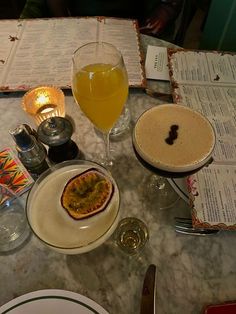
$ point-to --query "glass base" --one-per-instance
(105, 163)
(161, 192)
(122, 125)
(102, 160)
(13, 232)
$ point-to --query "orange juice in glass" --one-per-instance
(100, 86)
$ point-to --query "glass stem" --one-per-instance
(157, 182)
(106, 138)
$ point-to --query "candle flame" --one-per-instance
(42, 99)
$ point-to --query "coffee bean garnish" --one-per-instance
(174, 127)
(169, 141)
(173, 134)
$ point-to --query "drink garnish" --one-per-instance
(173, 134)
(87, 194)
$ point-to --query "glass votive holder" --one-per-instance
(131, 235)
(44, 102)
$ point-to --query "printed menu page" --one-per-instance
(206, 81)
(39, 51)
(212, 197)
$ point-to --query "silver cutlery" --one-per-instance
(149, 291)
(184, 226)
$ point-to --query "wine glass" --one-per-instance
(172, 141)
(100, 87)
(123, 123)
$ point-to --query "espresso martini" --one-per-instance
(174, 138)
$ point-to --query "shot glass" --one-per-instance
(131, 235)
(14, 229)
(44, 102)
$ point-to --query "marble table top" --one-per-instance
(191, 271)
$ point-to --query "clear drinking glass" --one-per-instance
(131, 235)
(14, 228)
(123, 123)
(100, 86)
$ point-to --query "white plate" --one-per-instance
(52, 301)
(180, 187)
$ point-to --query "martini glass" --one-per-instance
(53, 224)
(100, 87)
(172, 141)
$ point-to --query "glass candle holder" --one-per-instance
(44, 102)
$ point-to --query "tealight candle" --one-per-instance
(44, 102)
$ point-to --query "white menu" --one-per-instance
(206, 81)
(39, 51)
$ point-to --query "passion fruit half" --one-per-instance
(87, 194)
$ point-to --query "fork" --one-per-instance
(184, 226)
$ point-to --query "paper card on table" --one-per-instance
(12, 172)
(212, 197)
(156, 64)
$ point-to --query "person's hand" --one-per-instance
(157, 22)
(152, 27)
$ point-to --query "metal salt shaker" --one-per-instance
(30, 152)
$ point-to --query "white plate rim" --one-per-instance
(74, 297)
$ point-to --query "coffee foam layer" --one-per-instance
(190, 150)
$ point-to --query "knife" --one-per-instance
(149, 291)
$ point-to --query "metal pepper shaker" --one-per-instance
(56, 132)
